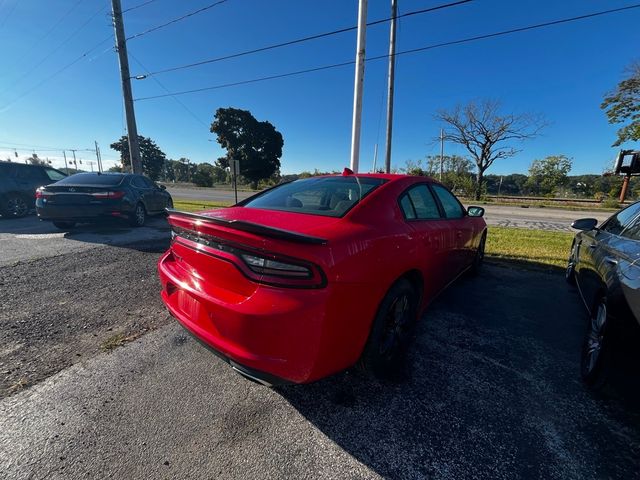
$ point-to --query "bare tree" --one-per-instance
(487, 134)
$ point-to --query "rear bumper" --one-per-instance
(80, 212)
(274, 335)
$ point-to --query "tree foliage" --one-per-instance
(487, 134)
(548, 174)
(153, 158)
(257, 145)
(623, 105)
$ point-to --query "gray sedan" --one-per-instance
(604, 264)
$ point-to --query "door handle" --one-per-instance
(593, 246)
(611, 260)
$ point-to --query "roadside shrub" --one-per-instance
(599, 196)
(610, 203)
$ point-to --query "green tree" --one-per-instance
(548, 174)
(204, 175)
(487, 134)
(257, 145)
(152, 157)
(623, 106)
(35, 160)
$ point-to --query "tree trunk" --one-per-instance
(479, 182)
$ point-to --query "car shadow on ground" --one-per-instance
(492, 390)
(154, 236)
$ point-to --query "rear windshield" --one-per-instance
(328, 196)
(92, 179)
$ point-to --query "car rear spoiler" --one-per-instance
(250, 227)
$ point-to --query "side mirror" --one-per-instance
(585, 224)
(475, 211)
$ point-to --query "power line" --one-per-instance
(138, 6)
(23, 146)
(305, 39)
(178, 101)
(9, 14)
(56, 73)
(404, 52)
(175, 20)
(46, 57)
(55, 25)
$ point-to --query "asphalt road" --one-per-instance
(27, 238)
(498, 215)
(491, 391)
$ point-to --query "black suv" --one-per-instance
(18, 184)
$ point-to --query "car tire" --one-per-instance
(139, 216)
(570, 272)
(479, 257)
(15, 206)
(391, 331)
(64, 225)
(597, 347)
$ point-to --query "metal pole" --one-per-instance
(74, 159)
(392, 66)
(98, 156)
(441, 152)
(625, 186)
(375, 157)
(358, 86)
(66, 167)
(121, 47)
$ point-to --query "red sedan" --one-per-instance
(310, 277)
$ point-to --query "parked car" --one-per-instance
(310, 277)
(603, 264)
(18, 183)
(91, 197)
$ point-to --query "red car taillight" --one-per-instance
(41, 193)
(261, 267)
(112, 195)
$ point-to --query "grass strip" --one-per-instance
(522, 245)
(189, 205)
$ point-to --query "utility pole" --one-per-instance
(74, 159)
(66, 167)
(375, 157)
(392, 67)
(358, 86)
(121, 47)
(98, 156)
(441, 152)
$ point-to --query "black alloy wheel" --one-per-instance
(139, 216)
(596, 349)
(16, 206)
(570, 272)
(479, 257)
(391, 331)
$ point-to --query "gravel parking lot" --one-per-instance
(491, 390)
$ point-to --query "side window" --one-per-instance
(451, 205)
(149, 183)
(407, 207)
(29, 173)
(616, 224)
(138, 182)
(54, 175)
(418, 203)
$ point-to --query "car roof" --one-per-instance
(389, 177)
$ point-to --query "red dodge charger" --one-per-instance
(310, 277)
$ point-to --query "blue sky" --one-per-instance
(561, 72)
